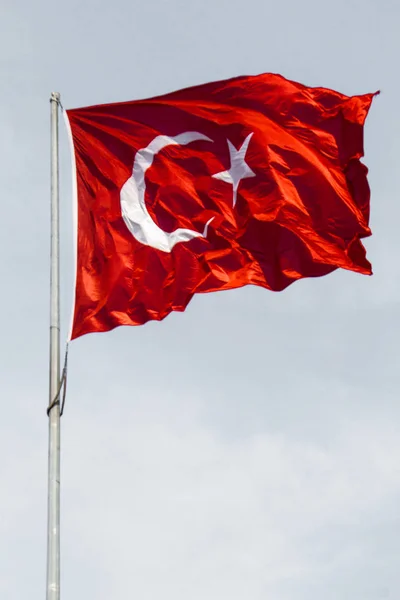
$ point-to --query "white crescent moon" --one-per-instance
(132, 197)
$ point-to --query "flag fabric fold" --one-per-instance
(253, 180)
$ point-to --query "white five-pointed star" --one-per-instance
(239, 169)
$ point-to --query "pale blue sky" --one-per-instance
(248, 448)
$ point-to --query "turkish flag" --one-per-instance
(254, 180)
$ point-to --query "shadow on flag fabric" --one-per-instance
(254, 180)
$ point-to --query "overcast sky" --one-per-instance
(245, 449)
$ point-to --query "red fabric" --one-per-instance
(302, 214)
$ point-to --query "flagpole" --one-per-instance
(53, 507)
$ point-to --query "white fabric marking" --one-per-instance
(239, 169)
(133, 205)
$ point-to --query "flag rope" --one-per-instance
(61, 386)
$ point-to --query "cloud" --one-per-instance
(171, 508)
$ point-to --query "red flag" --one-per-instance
(254, 180)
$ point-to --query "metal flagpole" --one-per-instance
(53, 507)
